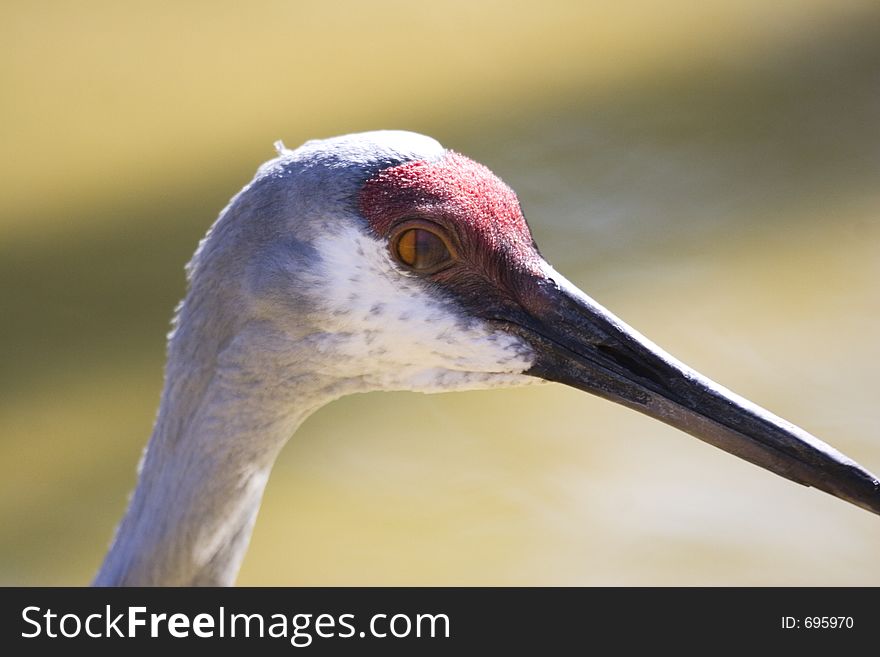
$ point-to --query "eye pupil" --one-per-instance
(422, 249)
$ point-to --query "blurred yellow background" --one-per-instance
(709, 171)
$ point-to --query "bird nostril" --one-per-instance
(630, 364)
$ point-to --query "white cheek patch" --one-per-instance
(388, 329)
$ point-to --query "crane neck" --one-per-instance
(228, 407)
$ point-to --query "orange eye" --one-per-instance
(421, 249)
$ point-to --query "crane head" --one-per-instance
(403, 265)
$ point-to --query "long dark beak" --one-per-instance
(581, 344)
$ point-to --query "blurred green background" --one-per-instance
(709, 171)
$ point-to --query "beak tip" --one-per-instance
(863, 489)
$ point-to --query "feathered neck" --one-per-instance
(231, 400)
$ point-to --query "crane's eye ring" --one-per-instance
(421, 246)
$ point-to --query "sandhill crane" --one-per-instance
(383, 261)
